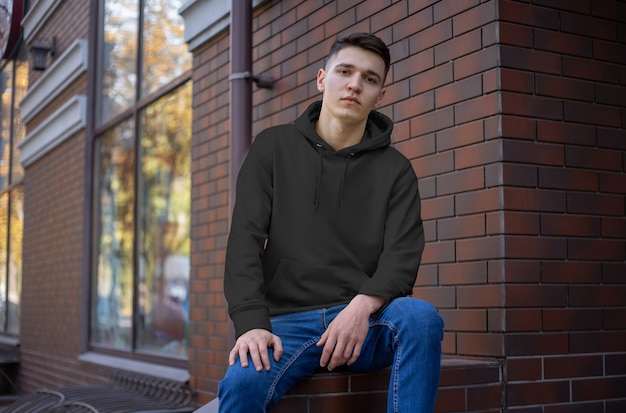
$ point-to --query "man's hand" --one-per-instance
(345, 335)
(256, 342)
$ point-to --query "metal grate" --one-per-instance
(125, 393)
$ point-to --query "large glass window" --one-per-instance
(13, 85)
(115, 237)
(165, 182)
(153, 36)
(142, 181)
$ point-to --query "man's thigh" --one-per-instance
(298, 334)
(400, 319)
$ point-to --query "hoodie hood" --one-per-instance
(377, 135)
(377, 132)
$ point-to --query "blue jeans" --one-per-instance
(406, 335)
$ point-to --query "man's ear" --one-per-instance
(379, 101)
(321, 75)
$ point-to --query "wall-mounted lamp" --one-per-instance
(39, 52)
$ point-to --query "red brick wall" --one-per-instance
(52, 268)
(452, 77)
(209, 331)
(513, 114)
(563, 102)
(53, 244)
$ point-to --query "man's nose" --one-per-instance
(355, 82)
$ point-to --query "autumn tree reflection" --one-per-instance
(142, 180)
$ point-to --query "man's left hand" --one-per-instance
(344, 337)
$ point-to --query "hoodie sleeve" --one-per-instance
(243, 277)
(403, 241)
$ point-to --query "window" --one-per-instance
(13, 84)
(142, 181)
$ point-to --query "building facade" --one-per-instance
(125, 139)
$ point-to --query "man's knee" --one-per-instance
(238, 378)
(417, 313)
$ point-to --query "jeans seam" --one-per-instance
(395, 376)
(282, 371)
(396, 364)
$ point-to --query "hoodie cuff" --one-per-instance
(250, 319)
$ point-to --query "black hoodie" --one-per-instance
(313, 227)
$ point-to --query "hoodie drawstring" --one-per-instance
(319, 177)
(343, 178)
(320, 172)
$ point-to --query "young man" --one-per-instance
(324, 248)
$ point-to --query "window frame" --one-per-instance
(12, 186)
(96, 130)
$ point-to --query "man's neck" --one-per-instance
(339, 134)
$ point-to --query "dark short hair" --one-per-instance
(366, 41)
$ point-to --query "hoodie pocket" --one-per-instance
(299, 284)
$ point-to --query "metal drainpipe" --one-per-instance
(240, 86)
(240, 95)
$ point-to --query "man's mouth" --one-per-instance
(351, 99)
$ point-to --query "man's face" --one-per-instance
(352, 83)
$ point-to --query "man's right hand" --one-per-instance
(255, 343)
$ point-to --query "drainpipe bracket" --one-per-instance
(240, 75)
(262, 81)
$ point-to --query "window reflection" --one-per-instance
(141, 257)
(16, 224)
(165, 55)
(165, 182)
(19, 130)
(118, 58)
(112, 318)
(6, 123)
(13, 85)
(4, 227)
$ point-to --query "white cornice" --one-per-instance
(66, 121)
(37, 16)
(206, 18)
(57, 77)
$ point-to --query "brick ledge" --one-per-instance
(466, 385)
